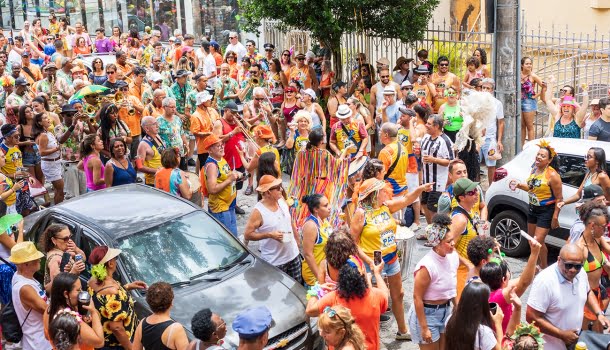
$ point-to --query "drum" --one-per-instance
(405, 240)
(195, 187)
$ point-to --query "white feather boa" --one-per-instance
(478, 110)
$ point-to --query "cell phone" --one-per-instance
(56, 36)
(377, 257)
(527, 236)
(65, 259)
(11, 41)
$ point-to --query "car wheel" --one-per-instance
(506, 227)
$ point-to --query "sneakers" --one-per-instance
(384, 318)
(249, 190)
(403, 336)
(191, 162)
(239, 210)
(415, 227)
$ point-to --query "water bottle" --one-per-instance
(581, 346)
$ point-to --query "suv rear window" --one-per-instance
(572, 169)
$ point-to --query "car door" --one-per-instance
(572, 171)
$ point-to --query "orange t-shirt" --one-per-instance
(366, 312)
(203, 121)
(132, 121)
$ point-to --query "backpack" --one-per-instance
(11, 329)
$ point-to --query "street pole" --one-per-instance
(507, 48)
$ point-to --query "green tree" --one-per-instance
(328, 20)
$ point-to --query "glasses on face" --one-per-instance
(232, 37)
(269, 50)
(110, 72)
(451, 94)
(274, 188)
(407, 88)
(444, 65)
(384, 76)
(259, 98)
(253, 72)
(285, 54)
(472, 193)
(571, 265)
(300, 59)
(65, 239)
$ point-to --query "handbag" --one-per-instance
(11, 329)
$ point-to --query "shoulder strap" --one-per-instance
(393, 166)
(28, 71)
(467, 214)
(9, 264)
(347, 134)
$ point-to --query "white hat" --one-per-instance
(311, 93)
(172, 38)
(203, 96)
(343, 112)
(406, 83)
(155, 76)
(595, 102)
(389, 90)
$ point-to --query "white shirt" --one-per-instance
(14, 57)
(486, 339)
(274, 252)
(209, 67)
(492, 128)
(200, 54)
(239, 49)
(33, 330)
(443, 275)
(440, 147)
(560, 300)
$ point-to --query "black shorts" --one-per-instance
(430, 199)
(541, 215)
(240, 184)
(202, 157)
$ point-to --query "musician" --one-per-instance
(248, 85)
(53, 85)
(149, 150)
(303, 73)
(111, 72)
(29, 71)
(155, 107)
(181, 88)
(258, 111)
(348, 133)
(139, 88)
(264, 139)
(78, 73)
(156, 81)
(123, 67)
(130, 111)
(232, 136)
(69, 135)
(16, 99)
(226, 87)
(204, 121)
(65, 71)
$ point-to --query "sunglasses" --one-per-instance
(384, 76)
(269, 50)
(451, 94)
(285, 54)
(232, 37)
(259, 98)
(407, 88)
(570, 266)
(253, 72)
(110, 72)
(278, 187)
(301, 59)
(444, 64)
(65, 239)
(472, 193)
(332, 313)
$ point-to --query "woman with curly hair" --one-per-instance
(159, 330)
(354, 291)
(481, 54)
(339, 329)
(64, 299)
(115, 305)
(337, 251)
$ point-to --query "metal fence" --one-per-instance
(573, 59)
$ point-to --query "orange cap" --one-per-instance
(209, 141)
(264, 132)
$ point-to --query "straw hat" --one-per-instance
(209, 141)
(264, 132)
(369, 186)
(266, 182)
(24, 252)
(110, 254)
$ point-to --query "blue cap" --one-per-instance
(252, 323)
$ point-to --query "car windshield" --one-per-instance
(179, 249)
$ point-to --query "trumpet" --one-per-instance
(91, 109)
(254, 80)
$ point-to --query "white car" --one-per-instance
(508, 209)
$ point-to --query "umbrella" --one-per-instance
(88, 90)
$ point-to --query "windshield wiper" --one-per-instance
(218, 269)
(190, 281)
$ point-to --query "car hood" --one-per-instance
(255, 285)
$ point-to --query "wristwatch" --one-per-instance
(599, 313)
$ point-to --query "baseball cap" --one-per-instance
(231, 106)
(156, 76)
(253, 322)
(463, 185)
(203, 96)
(591, 192)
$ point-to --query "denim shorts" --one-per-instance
(485, 153)
(529, 105)
(31, 158)
(389, 270)
(227, 218)
(436, 318)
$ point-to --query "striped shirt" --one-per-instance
(440, 147)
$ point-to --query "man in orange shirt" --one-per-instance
(130, 111)
(204, 121)
(155, 107)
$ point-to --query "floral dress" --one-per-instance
(115, 308)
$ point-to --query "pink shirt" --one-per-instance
(507, 309)
(443, 275)
(89, 175)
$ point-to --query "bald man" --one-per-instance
(558, 298)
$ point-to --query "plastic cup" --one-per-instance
(493, 307)
(287, 237)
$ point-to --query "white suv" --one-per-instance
(508, 209)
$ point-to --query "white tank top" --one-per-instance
(52, 144)
(379, 94)
(33, 330)
(274, 252)
(315, 118)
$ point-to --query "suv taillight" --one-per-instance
(500, 174)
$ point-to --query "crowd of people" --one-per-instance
(364, 158)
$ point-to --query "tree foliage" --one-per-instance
(327, 20)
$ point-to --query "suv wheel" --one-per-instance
(506, 227)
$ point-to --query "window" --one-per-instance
(572, 170)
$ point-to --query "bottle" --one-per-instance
(581, 346)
